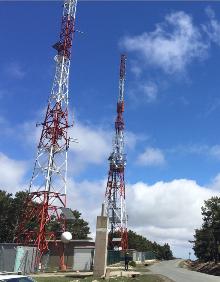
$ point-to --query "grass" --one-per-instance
(63, 279)
(142, 278)
(139, 268)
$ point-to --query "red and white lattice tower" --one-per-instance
(115, 190)
(47, 191)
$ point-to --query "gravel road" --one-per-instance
(171, 270)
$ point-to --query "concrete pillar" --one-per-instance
(101, 243)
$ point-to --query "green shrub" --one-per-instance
(132, 263)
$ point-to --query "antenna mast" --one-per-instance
(47, 190)
(115, 190)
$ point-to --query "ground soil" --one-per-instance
(204, 267)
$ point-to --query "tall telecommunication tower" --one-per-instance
(47, 191)
(115, 190)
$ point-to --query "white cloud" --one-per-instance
(167, 211)
(135, 68)
(143, 91)
(31, 132)
(151, 157)
(87, 197)
(164, 212)
(12, 173)
(172, 46)
(212, 28)
(215, 184)
(150, 91)
(94, 145)
(131, 139)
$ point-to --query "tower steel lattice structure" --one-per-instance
(115, 190)
(47, 190)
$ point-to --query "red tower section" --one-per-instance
(115, 190)
(47, 192)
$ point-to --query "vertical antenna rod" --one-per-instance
(115, 190)
(47, 190)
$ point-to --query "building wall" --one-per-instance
(52, 259)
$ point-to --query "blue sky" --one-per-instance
(172, 105)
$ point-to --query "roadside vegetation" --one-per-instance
(11, 210)
(141, 244)
(206, 244)
(207, 239)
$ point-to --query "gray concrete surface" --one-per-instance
(101, 242)
(171, 270)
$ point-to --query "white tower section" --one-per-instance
(115, 190)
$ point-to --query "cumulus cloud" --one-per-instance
(172, 46)
(164, 211)
(91, 145)
(215, 184)
(31, 132)
(151, 157)
(94, 144)
(167, 211)
(87, 197)
(12, 173)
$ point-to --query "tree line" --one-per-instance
(11, 211)
(206, 243)
(141, 244)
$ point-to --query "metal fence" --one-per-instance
(114, 257)
(15, 258)
(7, 258)
(142, 256)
